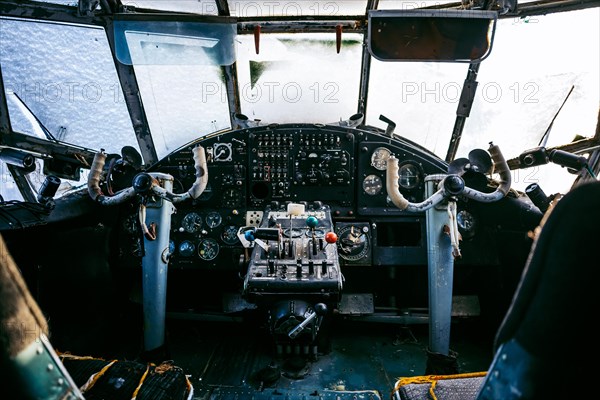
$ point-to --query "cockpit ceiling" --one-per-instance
(250, 8)
(320, 8)
(265, 8)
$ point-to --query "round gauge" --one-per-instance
(353, 243)
(192, 223)
(208, 249)
(186, 248)
(465, 221)
(232, 197)
(379, 158)
(171, 247)
(229, 235)
(222, 151)
(410, 176)
(213, 219)
(372, 185)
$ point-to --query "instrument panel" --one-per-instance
(263, 167)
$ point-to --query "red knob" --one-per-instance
(331, 237)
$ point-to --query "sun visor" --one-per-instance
(166, 42)
(431, 35)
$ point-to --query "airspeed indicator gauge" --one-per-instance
(380, 157)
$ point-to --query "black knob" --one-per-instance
(454, 185)
(142, 183)
(320, 309)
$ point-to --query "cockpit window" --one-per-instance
(247, 8)
(206, 7)
(421, 98)
(178, 71)
(299, 77)
(8, 187)
(61, 83)
(517, 100)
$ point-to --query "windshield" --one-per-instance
(63, 77)
(299, 77)
(178, 71)
(534, 64)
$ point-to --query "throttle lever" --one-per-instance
(320, 309)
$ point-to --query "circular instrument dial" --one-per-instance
(353, 243)
(465, 221)
(379, 158)
(192, 222)
(232, 197)
(222, 151)
(213, 219)
(229, 235)
(372, 185)
(208, 249)
(410, 176)
(186, 248)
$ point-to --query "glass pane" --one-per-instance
(174, 43)
(65, 76)
(8, 187)
(299, 77)
(182, 103)
(63, 2)
(267, 8)
(421, 98)
(410, 5)
(532, 67)
(207, 7)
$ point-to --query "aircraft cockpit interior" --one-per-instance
(282, 200)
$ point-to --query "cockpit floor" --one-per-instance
(234, 360)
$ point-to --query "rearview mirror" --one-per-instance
(433, 35)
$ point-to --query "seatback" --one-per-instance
(547, 330)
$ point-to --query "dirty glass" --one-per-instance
(63, 77)
(299, 77)
(533, 66)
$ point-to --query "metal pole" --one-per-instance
(440, 264)
(154, 269)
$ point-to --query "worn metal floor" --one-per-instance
(232, 359)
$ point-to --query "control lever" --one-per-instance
(320, 310)
(541, 155)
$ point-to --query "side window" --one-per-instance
(61, 85)
(8, 187)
